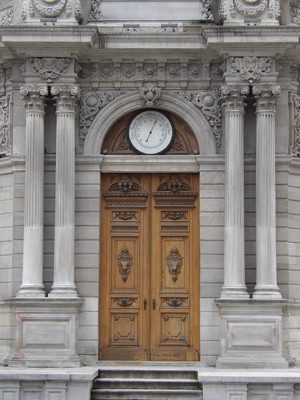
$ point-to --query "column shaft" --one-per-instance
(234, 247)
(32, 273)
(266, 268)
(63, 282)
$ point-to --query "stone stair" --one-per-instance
(117, 383)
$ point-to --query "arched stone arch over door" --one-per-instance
(172, 103)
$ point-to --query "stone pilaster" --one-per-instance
(63, 282)
(266, 268)
(32, 277)
(234, 246)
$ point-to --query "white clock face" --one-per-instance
(150, 132)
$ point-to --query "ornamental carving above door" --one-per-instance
(149, 272)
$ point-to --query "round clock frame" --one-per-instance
(150, 132)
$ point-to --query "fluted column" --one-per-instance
(266, 268)
(32, 273)
(234, 237)
(63, 282)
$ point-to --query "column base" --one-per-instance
(251, 334)
(46, 332)
(267, 293)
(31, 291)
(63, 292)
(235, 292)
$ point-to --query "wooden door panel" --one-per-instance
(149, 275)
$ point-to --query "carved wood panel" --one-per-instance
(149, 273)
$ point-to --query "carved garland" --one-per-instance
(249, 8)
(5, 147)
(49, 9)
(296, 126)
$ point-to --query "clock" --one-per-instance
(150, 132)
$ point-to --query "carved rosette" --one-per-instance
(50, 68)
(174, 263)
(124, 262)
(296, 126)
(251, 68)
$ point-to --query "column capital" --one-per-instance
(66, 96)
(34, 97)
(233, 97)
(265, 96)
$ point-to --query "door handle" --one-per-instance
(154, 304)
(145, 304)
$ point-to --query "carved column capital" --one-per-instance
(265, 96)
(34, 97)
(66, 97)
(233, 97)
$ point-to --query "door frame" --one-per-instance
(157, 164)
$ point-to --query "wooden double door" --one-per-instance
(149, 272)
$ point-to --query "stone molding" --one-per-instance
(251, 68)
(266, 12)
(295, 121)
(67, 10)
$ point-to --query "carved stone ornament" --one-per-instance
(249, 8)
(295, 12)
(95, 11)
(91, 102)
(6, 16)
(209, 103)
(124, 261)
(233, 97)
(296, 125)
(174, 263)
(50, 68)
(265, 96)
(66, 97)
(5, 147)
(150, 95)
(46, 8)
(251, 68)
(34, 97)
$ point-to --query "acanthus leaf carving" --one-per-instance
(209, 103)
(50, 68)
(174, 263)
(251, 68)
(124, 262)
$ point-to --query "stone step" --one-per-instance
(149, 374)
(174, 384)
(145, 394)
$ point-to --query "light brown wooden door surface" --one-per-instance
(149, 267)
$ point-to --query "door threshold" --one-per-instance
(152, 364)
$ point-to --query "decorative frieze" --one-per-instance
(295, 125)
(50, 68)
(6, 16)
(255, 11)
(35, 10)
(250, 68)
(5, 146)
(295, 12)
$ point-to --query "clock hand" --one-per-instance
(151, 130)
